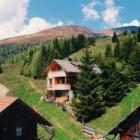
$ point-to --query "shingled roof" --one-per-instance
(6, 101)
(68, 66)
(71, 66)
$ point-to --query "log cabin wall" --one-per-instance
(133, 133)
(21, 125)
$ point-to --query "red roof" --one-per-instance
(6, 101)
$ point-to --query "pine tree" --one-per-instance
(127, 47)
(138, 35)
(26, 68)
(91, 41)
(115, 84)
(37, 64)
(66, 48)
(129, 72)
(134, 60)
(57, 49)
(114, 38)
(81, 41)
(117, 51)
(1, 68)
(117, 89)
(108, 52)
(89, 102)
(73, 44)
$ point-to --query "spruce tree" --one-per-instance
(115, 83)
(134, 60)
(129, 72)
(127, 47)
(89, 102)
(66, 48)
(117, 89)
(57, 49)
(1, 68)
(37, 64)
(26, 68)
(114, 38)
(108, 52)
(138, 35)
(91, 41)
(81, 41)
(73, 44)
(117, 51)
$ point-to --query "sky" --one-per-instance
(20, 17)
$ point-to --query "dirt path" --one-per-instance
(3, 90)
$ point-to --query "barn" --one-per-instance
(18, 121)
(128, 128)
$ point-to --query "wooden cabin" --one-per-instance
(60, 79)
(129, 128)
(18, 121)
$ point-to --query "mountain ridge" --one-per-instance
(64, 32)
(50, 34)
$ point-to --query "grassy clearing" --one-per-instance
(115, 114)
(98, 49)
(66, 128)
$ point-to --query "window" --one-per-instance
(18, 131)
(63, 80)
(50, 81)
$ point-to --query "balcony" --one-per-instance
(59, 87)
(53, 74)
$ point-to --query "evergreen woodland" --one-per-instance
(120, 65)
(120, 73)
(39, 58)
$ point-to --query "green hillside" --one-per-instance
(99, 48)
(115, 114)
(66, 127)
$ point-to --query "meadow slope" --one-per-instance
(66, 128)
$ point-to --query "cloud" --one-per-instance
(37, 24)
(110, 15)
(13, 14)
(89, 10)
(70, 22)
(132, 23)
(109, 12)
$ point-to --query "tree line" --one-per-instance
(8, 51)
(94, 93)
(39, 58)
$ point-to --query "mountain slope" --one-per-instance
(127, 28)
(50, 34)
(64, 32)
